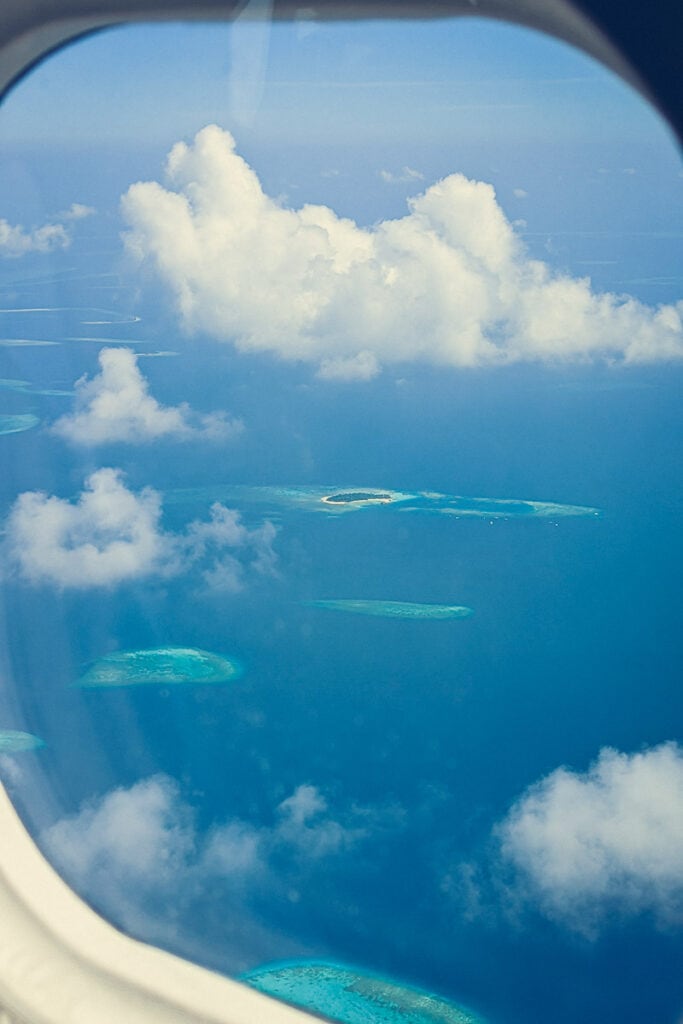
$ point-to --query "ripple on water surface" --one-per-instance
(15, 424)
(354, 997)
(395, 609)
(14, 742)
(167, 666)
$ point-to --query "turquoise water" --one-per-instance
(354, 997)
(163, 666)
(395, 609)
(332, 500)
(25, 386)
(15, 424)
(12, 741)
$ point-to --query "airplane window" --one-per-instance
(340, 372)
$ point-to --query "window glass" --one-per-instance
(340, 592)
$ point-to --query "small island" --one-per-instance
(356, 497)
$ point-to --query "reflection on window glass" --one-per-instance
(340, 557)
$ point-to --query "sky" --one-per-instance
(241, 269)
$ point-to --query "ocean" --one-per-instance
(340, 796)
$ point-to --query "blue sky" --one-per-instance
(139, 83)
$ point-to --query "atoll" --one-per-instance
(167, 666)
(355, 997)
(395, 609)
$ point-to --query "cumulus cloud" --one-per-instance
(520, 193)
(304, 823)
(16, 241)
(606, 842)
(139, 856)
(112, 535)
(77, 211)
(109, 535)
(116, 406)
(207, 542)
(450, 283)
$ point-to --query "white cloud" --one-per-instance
(77, 211)
(304, 823)
(450, 283)
(138, 855)
(363, 366)
(116, 406)
(520, 193)
(16, 241)
(108, 536)
(403, 177)
(143, 833)
(606, 842)
(208, 540)
(111, 535)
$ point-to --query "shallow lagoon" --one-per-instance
(167, 666)
(395, 609)
(355, 997)
(25, 387)
(15, 424)
(12, 741)
(339, 500)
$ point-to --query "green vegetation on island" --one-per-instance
(357, 497)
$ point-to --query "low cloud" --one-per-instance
(116, 406)
(77, 211)
(112, 535)
(451, 283)
(16, 241)
(137, 854)
(587, 847)
(363, 366)
(108, 536)
(210, 542)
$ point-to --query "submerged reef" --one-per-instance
(277, 500)
(355, 997)
(395, 609)
(25, 387)
(499, 508)
(14, 742)
(167, 666)
(15, 424)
